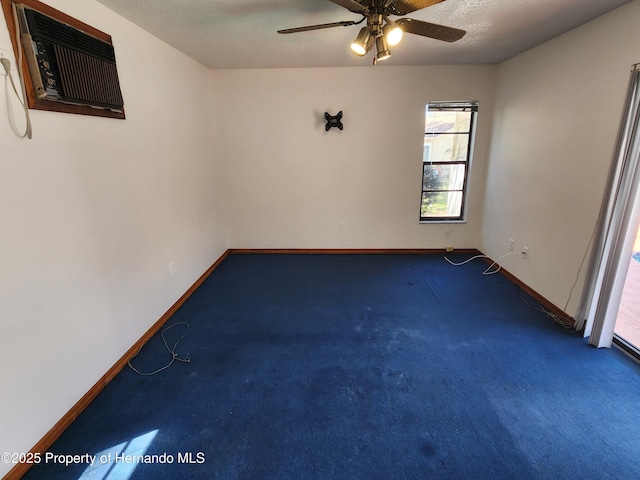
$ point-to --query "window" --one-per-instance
(448, 135)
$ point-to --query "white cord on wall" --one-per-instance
(28, 132)
(7, 67)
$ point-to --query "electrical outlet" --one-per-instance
(525, 253)
(447, 233)
(343, 226)
(512, 245)
(172, 269)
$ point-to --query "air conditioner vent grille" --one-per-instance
(46, 28)
(86, 78)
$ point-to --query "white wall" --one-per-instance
(93, 211)
(558, 110)
(291, 183)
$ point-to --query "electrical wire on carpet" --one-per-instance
(172, 351)
(488, 271)
(565, 322)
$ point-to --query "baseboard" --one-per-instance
(52, 435)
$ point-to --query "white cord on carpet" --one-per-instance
(488, 271)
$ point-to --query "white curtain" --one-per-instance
(612, 247)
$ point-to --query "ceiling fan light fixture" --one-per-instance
(382, 48)
(393, 33)
(359, 45)
(380, 29)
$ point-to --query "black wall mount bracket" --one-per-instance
(333, 121)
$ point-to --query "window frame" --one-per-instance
(460, 106)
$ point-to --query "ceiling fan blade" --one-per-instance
(431, 30)
(346, 23)
(403, 7)
(351, 5)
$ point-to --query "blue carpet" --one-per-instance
(362, 367)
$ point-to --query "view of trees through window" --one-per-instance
(446, 159)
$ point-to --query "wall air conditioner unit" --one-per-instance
(68, 65)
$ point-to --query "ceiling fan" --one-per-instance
(380, 30)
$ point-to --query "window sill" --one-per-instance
(440, 222)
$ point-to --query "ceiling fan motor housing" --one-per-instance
(374, 22)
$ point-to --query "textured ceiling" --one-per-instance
(242, 33)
